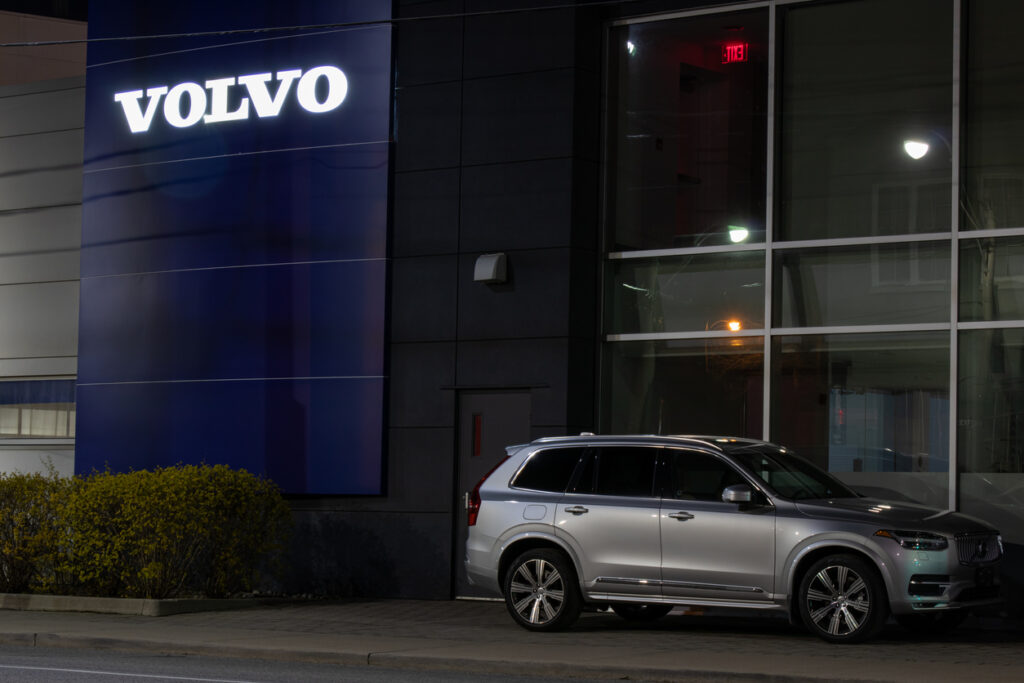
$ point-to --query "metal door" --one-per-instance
(488, 422)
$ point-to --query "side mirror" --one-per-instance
(739, 493)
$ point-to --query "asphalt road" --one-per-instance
(61, 665)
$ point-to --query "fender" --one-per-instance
(838, 541)
(540, 532)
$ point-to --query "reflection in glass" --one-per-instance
(37, 409)
(793, 477)
(867, 406)
(858, 81)
(993, 185)
(885, 284)
(705, 386)
(686, 293)
(688, 131)
(991, 405)
(992, 279)
(990, 436)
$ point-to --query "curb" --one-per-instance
(128, 606)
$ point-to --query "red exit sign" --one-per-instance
(734, 52)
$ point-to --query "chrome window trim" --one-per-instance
(678, 584)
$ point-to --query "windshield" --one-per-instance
(791, 476)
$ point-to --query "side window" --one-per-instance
(585, 479)
(618, 471)
(690, 475)
(548, 470)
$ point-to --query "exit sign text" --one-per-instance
(734, 52)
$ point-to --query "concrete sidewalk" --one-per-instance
(480, 637)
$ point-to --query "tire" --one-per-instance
(642, 612)
(541, 591)
(842, 599)
(933, 624)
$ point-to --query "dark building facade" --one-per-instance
(799, 221)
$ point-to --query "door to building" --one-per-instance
(488, 421)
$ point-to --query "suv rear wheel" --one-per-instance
(842, 599)
(541, 591)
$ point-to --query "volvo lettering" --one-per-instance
(318, 90)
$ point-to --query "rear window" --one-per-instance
(548, 470)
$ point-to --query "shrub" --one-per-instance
(154, 534)
(28, 527)
(247, 522)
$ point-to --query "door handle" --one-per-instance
(681, 516)
(577, 510)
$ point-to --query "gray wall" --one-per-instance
(496, 149)
(40, 232)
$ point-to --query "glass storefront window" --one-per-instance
(993, 183)
(872, 408)
(992, 279)
(990, 438)
(688, 132)
(37, 409)
(707, 386)
(864, 148)
(991, 393)
(884, 284)
(686, 293)
(863, 86)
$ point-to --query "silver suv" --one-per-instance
(643, 523)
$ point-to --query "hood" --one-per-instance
(893, 515)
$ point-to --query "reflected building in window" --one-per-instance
(873, 152)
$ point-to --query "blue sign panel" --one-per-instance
(234, 240)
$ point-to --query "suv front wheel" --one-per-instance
(842, 599)
(541, 591)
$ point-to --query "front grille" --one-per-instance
(977, 549)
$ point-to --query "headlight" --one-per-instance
(915, 540)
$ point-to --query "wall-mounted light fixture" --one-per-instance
(491, 269)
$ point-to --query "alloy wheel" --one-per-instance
(537, 591)
(838, 600)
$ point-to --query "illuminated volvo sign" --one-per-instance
(234, 240)
(318, 90)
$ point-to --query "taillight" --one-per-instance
(473, 503)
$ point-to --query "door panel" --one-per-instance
(711, 549)
(720, 552)
(488, 422)
(616, 540)
(610, 517)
